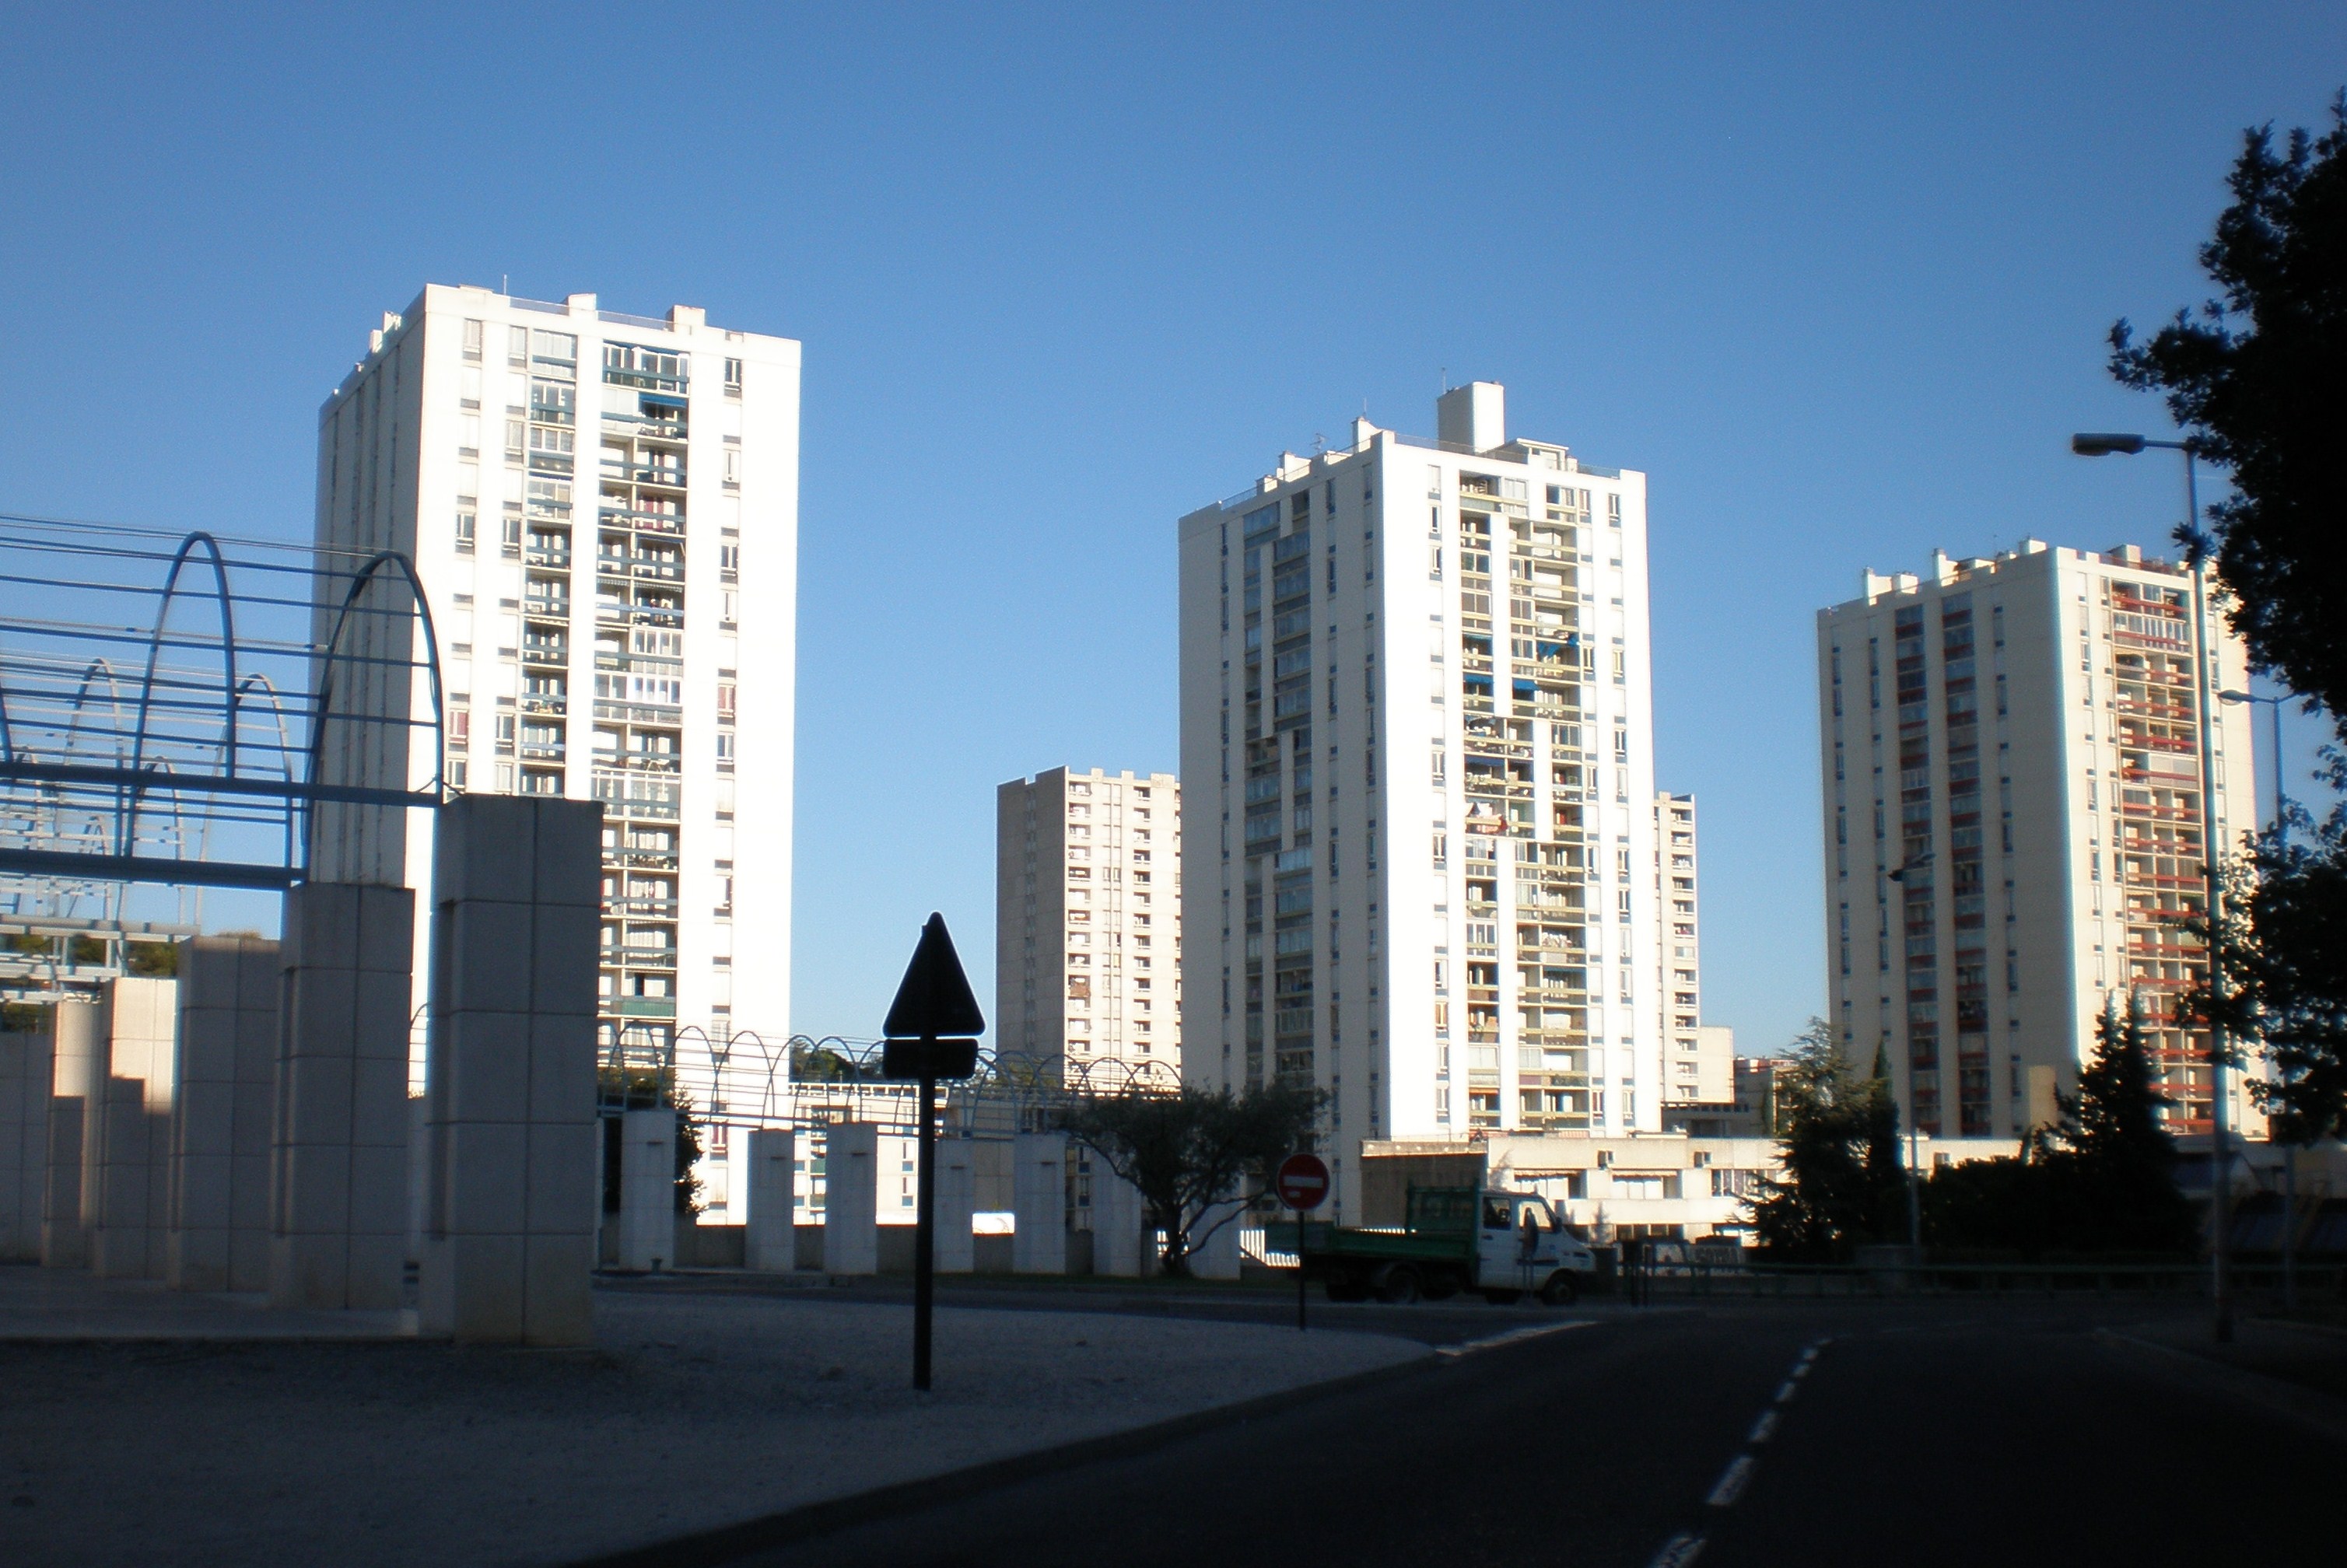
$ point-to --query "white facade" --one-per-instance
(1417, 741)
(603, 512)
(2019, 737)
(1088, 920)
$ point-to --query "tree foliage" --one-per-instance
(2283, 939)
(2103, 1180)
(1838, 1136)
(1192, 1151)
(2255, 382)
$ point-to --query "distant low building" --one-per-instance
(1749, 1111)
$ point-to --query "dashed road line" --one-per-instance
(1514, 1336)
(1681, 1549)
(1677, 1551)
(1732, 1483)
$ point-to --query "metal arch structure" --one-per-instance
(1011, 1092)
(208, 772)
(324, 712)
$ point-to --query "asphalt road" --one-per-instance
(1811, 1434)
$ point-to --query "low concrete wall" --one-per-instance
(708, 1246)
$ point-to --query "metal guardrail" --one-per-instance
(1697, 1277)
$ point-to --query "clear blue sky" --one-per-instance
(1837, 280)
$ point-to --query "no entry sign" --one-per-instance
(1302, 1183)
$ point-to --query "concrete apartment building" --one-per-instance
(1087, 920)
(1700, 1067)
(1416, 740)
(603, 513)
(2010, 750)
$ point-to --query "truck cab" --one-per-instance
(1522, 1246)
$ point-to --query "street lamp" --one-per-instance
(2288, 1148)
(2109, 444)
(1914, 1174)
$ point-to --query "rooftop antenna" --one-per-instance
(505, 282)
(1446, 378)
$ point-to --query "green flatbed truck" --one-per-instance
(1483, 1239)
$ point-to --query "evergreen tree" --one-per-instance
(1885, 1173)
(2112, 1156)
(1824, 1203)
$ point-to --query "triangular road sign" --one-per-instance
(934, 1001)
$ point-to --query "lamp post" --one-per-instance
(1914, 1174)
(2106, 445)
(2288, 1148)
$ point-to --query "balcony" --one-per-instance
(546, 608)
(623, 958)
(555, 652)
(643, 522)
(552, 559)
(645, 1007)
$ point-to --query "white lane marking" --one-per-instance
(1513, 1337)
(1764, 1429)
(1785, 1392)
(1800, 1371)
(1732, 1484)
(1677, 1551)
(1808, 1355)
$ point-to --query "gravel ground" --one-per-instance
(691, 1412)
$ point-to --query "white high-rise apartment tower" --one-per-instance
(1417, 748)
(603, 512)
(2013, 824)
(1700, 1062)
(1087, 921)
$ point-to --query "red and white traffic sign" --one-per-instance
(1302, 1183)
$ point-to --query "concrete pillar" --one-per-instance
(769, 1244)
(338, 1147)
(126, 1196)
(957, 1201)
(851, 1177)
(1117, 1241)
(1216, 1256)
(1038, 1198)
(26, 1071)
(418, 1137)
(515, 1152)
(79, 1067)
(648, 1189)
(227, 1073)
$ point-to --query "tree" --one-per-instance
(2255, 383)
(2283, 930)
(1190, 1151)
(2119, 1160)
(2102, 1180)
(1829, 1124)
(1884, 1172)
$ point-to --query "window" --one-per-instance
(472, 340)
(467, 523)
(468, 435)
(517, 433)
(733, 467)
(517, 346)
(733, 378)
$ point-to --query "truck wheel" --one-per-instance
(1561, 1289)
(1498, 1298)
(1397, 1284)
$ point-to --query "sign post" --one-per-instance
(1303, 1185)
(933, 1006)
